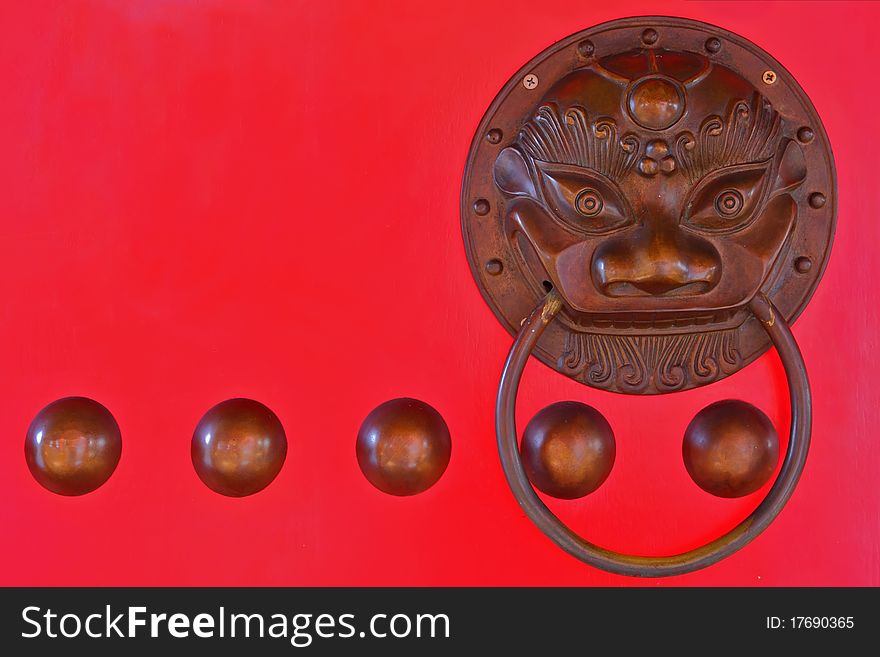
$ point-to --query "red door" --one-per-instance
(222, 199)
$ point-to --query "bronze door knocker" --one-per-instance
(647, 206)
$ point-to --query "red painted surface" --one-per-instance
(216, 199)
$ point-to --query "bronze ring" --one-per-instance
(654, 566)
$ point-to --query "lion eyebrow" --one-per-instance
(570, 138)
(750, 134)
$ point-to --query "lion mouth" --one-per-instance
(659, 322)
(626, 289)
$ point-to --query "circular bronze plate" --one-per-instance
(658, 173)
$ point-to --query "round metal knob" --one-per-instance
(568, 450)
(73, 446)
(403, 447)
(730, 448)
(238, 447)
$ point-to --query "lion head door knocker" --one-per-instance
(646, 206)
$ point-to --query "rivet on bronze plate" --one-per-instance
(481, 206)
(817, 200)
(586, 48)
(803, 265)
(494, 136)
(805, 135)
(713, 45)
(649, 37)
(494, 267)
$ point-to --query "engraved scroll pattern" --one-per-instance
(572, 139)
(750, 134)
(665, 363)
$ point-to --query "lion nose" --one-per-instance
(656, 262)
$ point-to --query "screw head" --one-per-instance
(530, 81)
(769, 77)
(817, 200)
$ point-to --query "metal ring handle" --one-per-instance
(649, 566)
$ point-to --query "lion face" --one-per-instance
(661, 220)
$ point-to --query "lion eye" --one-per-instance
(727, 199)
(583, 200)
(729, 203)
(588, 202)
